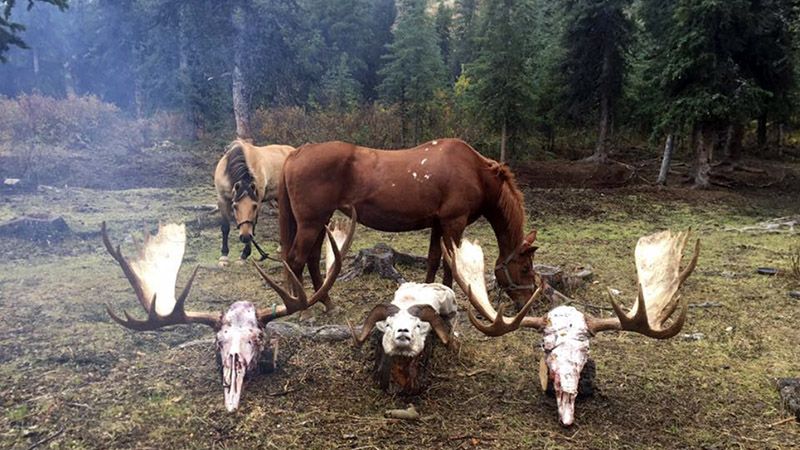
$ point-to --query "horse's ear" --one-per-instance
(527, 248)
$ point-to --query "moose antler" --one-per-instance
(292, 303)
(153, 277)
(338, 229)
(466, 264)
(658, 260)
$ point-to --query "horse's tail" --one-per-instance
(286, 220)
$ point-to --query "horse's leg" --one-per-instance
(434, 254)
(313, 270)
(452, 230)
(303, 247)
(225, 228)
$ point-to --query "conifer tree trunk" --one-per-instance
(69, 81)
(761, 131)
(241, 106)
(503, 139)
(601, 149)
(669, 148)
(735, 146)
(702, 167)
(35, 55)
(184, 77)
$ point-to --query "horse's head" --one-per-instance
(514, 272)
(246, 201)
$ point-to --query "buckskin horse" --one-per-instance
(245, 177)
(443, 185)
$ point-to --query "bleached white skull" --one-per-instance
(403, 334)
(240, 341)
(566, 347)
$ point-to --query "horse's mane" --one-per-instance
(511, 202)
(238, 171)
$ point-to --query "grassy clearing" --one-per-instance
(65, 366)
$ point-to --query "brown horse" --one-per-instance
(245, 177)
(444, 185)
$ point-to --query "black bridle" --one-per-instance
(264, 255)
(511, 285)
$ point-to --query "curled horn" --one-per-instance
(430, 315)
(378, 313)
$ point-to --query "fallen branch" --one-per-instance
(782, 421)
(46, 439)
(706, 305)
(206, 341)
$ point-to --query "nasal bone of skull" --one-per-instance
(233, 368)
(567, 339)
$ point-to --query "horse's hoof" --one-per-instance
(241, 262)
(223, 261)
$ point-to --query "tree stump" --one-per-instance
(381, 259)
(563, 281)
(36, 228)
(789, 389)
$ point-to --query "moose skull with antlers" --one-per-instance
(566, 331)
(239, 330)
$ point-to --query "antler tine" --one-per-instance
(290, 302)
(500, 324)
(293, 304)
(640, 322)
(692, 263)
(660, 296)
(133, 279)
(330, 278)
(154, 321)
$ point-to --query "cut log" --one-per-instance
(327, 333)
(36, 228)
(381, 259)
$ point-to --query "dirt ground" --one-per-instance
(71, 378)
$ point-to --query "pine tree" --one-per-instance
(9, 30)
(596, 40)
(499, 81)
(339, 89)
(414, 70)
(702, 78)
(465, 28)
(444, 29)
(767, 58)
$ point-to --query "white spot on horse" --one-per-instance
(415, 175)
(435, 142)
(423, 161)
(427, 176)
(393, 185)
(426, 149)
